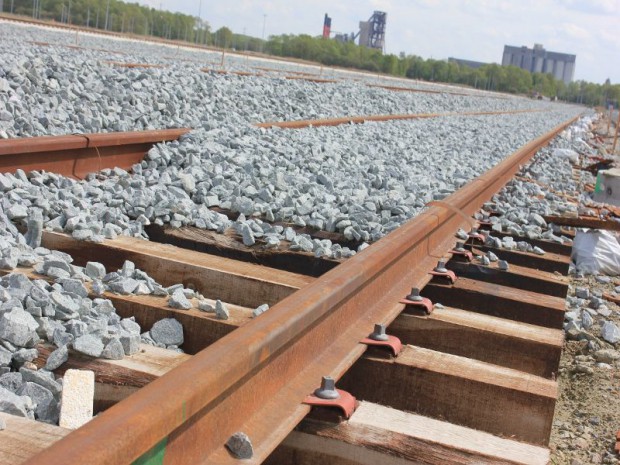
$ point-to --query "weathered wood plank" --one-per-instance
(550, 262)
(500, 301)
(225, 245)
(518, 277)
(547, 246)
(380, 435)
(229, 280)
(466, 392)
(200, 329)
(117, 379)
(584, 222)
(23, 438)
(136, 370)
(520, 346)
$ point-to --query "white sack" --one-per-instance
(596, 252)
(567, 153)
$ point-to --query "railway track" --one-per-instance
(473, 382)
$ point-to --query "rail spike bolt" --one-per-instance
(379, 333)
(460, 247)
(327, 389)
(415, 295)
(441, 267)
(475, 234)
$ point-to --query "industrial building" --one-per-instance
(371, 33)
(539, 60)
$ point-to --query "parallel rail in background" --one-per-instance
(77, 155)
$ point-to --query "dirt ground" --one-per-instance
(587, 414)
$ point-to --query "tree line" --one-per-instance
(132, 18)
(488, 77)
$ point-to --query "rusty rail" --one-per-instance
(254, 379)
(224, 71)
(362, 119)
(77, 155)
(430, 91)
(122, 64)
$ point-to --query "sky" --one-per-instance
(469, 29)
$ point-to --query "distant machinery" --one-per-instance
(371, 33)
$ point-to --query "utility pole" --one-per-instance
(199, 28)
(107, 11)
(262, 47)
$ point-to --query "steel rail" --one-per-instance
(77, 155)
(254, 379)
(430, 91)
(300, 124)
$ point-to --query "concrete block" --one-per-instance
(77, 398)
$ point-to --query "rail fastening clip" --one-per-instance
(414, 299)
(475, 234)
(328, 396)
(441, 270)
(459, 249)
(381, 339)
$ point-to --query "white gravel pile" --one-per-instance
(547, 189)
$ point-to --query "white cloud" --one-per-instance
(575, 31)
(595, 7)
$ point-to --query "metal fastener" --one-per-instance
(415, 295)
(460, 247)
(441, 267)
(379, 333)
(327, 389)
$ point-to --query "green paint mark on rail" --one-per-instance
(155, 456)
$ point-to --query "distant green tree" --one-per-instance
(223, 37)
